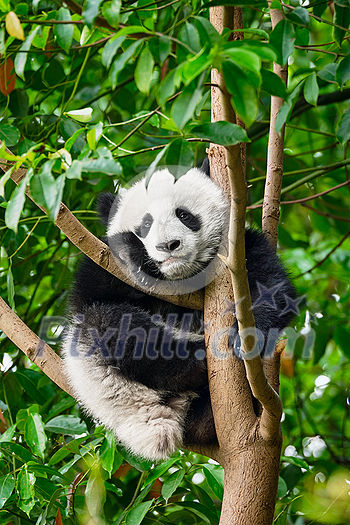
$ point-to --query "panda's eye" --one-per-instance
(188, 219)
(183, 215)
(143, 229)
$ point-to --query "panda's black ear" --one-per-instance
(205, 166)
(105, 201)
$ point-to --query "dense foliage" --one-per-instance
(95, 92)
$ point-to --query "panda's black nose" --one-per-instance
(168, 246)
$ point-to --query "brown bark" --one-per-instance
(274, 172)
(249, 444)
(34, 348)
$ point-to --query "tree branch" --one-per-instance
(34, 348)
(273, 184)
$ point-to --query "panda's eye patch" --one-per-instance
(145, 226)
(188, 219)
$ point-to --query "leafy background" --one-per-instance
(94, 93)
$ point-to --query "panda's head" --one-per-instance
(180, 223)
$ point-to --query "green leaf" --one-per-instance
(160, 469)
(341, 337)
(64, 32)
(4, 6)
(68, 425)
(343, 129)
(343, 71)
(299, 15)
(8, 434)
(9, 134)
(221, 132)
(179, 156)
(25, 488)
(22, 54)
(172, 483)
(10, 288)
(160, 48)
(282, 488)
(237, 3)
(208, 34)
(110, 50)
(14, 450)
(298, 462)
(121, 61)
(91, 10)
(246, 60)
(328, 72)
(190, 36)
(19, 103)
(341, 18)
(74, 171)
(214, 484)
(166, 88)
(200, 510)
(43, 189)
(81, 115)
(29, 379)
(273, 84)
(15, 205)
(102, 165)
(111, 12)
(34, 435)
(287, 107)
(144, 70)
(311, 89)
(151, 169)
(185, 105)
(282, 39)
(7, 484)
(107, 452)
(245, 98)
(319, 7)
(69, 143)
(95, 494)
(138, 512)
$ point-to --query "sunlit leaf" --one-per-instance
(13, 26)
(22, 55)
(7, 484)
(15, 206)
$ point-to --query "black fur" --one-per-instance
(169, 365)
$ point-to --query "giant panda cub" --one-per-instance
(137, 363)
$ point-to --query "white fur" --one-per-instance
(195, 192)
(133, 411)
